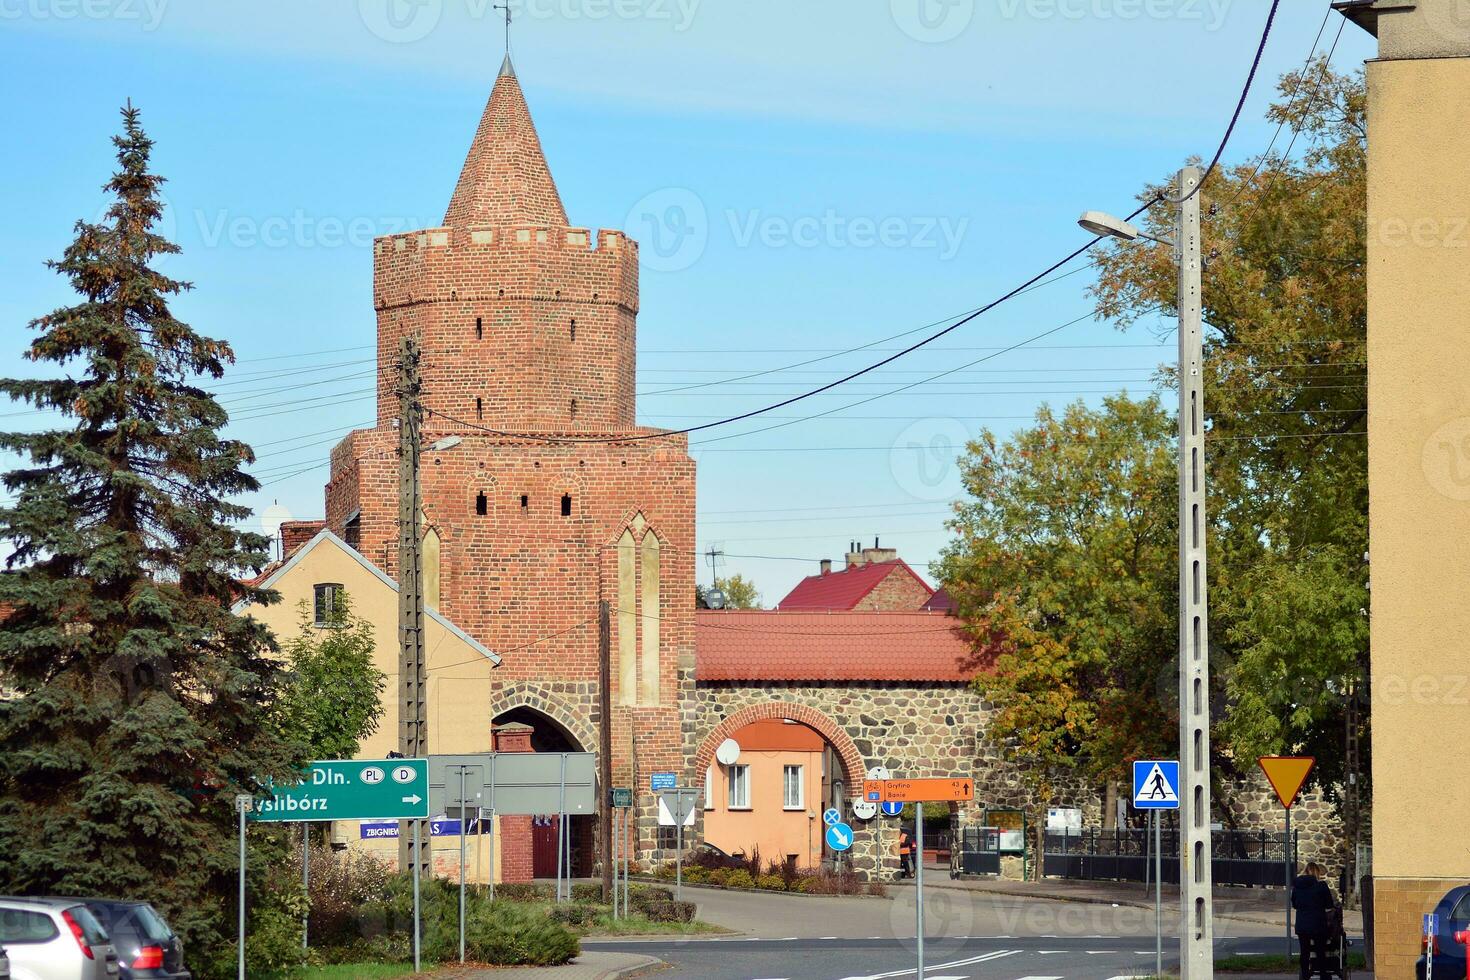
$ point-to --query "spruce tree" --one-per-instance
(138, 702)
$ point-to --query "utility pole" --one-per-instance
(413, 706)
(604, 748)
(1196, 928)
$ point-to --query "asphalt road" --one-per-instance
(886, 958)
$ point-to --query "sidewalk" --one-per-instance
(1242, 904)
(587, 966)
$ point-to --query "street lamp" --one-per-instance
(1196, 933)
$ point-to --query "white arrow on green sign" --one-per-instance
(353, 789)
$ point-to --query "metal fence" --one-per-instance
(1254, 858)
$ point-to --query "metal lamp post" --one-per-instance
(1196, 929)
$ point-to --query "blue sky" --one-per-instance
(804, 178)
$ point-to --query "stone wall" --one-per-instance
(939, 730)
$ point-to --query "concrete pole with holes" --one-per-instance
(1196, 929)
(413, 708)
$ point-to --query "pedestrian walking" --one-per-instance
(1312, 899)
(906, 853)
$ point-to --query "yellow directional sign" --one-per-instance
(918, 790)
(1287, 773)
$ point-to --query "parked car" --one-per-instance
(55, 939)
(4, 964)
(147, 948)
(1453, 912)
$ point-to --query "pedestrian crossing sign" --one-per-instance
(1156, 784)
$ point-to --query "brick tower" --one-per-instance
(527, 331)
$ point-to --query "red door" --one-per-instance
(543, 846)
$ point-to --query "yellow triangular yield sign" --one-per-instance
(1287, 773)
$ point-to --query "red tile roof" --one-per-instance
(771, 645)
(844, 589)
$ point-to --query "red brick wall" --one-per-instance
(898, 590)
(294, 534)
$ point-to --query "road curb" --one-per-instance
(1260, 918)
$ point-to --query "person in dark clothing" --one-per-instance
(906, 854)
(1312, 899)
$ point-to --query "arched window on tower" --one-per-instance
(482, 504)
(566, 505)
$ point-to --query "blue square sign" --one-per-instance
(1156, 784)
(664, 780)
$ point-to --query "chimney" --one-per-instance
(826, 566)
(875, 554)
(854, 555)
(294, 534)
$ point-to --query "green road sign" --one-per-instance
(622, 797)
(357, 789)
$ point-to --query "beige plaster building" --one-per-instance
(315, 574)
(1419, 459)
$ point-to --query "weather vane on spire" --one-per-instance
(506, 7)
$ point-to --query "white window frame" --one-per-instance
(800, 803)
(709, 788)
(737, 787)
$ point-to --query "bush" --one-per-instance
(392, 947)
(341, 882)
(499, 932)
(644, 897)
(696, 874)
(826, 882)
(668, 911)
(578, 915)
(786, 868)
(586, 892)
(774, 883)
(739, 878)
(719, 876)
(526, 892)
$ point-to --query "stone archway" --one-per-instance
(577, 724)
(853, 767)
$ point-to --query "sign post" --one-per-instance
(1431, 928)
(1287, 775)
(890, 793)
(1155, 788)
(243, 802)
(681, 803)
(621, 798)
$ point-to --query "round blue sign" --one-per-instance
(839, 837)
(831, 817)
(892, 809)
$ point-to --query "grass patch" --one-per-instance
(351, 971)
(638, 925)
(1275, 963)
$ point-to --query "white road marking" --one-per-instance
(983, 958)
(1041, 978)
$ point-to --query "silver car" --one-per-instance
(55, 939)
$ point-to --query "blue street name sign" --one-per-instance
(664, 780)
(1156, 784)
(839, 837)
(831, 817)
(891, 809)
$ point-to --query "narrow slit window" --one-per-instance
(566, 505)
(479, 328)
(574, 408)
(482, 504)
(479, 408)
(525, 501)
(574, 328)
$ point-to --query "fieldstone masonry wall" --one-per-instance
(938, 730)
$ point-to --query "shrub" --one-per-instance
(526, 892)
(824, 882)
(668, 911)
(719, 876)
(739, 878)
(578, 915)
(644, 897)
(340, 883)
(773, 883)
(786, 868)
(696, 874)
(587, 892)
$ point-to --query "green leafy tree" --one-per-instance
(1063, 564)
(334, 697)
(141, 703)
(1286, 396)
(740, 593)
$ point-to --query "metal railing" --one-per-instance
(1254, 858)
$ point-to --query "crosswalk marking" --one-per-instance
(1041, 978)
(969, 961)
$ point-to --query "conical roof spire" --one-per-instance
(505, 180)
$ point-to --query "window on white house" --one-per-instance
(792, 793)
(739, 786)
(327, 606)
